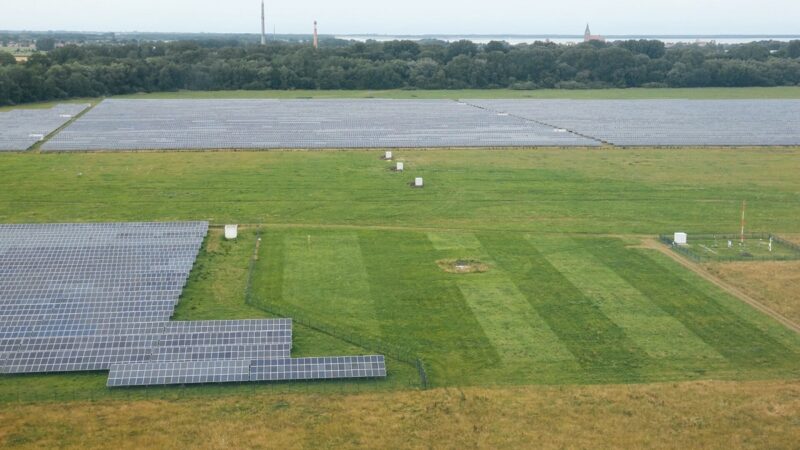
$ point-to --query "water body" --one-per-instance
(574, 39)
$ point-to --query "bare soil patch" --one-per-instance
(462, 265)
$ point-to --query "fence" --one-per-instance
(698, 257)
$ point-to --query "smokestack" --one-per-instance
(263, 25)
(316, 37)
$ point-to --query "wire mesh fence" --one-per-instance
(734, 247)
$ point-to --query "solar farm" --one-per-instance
(22, 128)
(192, 124)
(86, 297)
(269, 124)
(678, 123)
(528, 264)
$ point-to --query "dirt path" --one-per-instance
(736, 292)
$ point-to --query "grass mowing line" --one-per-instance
(732, 290)
(739, 340)
(599, 344)
(659, 334)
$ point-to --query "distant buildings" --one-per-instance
(589, 37)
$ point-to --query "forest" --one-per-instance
(102, 69)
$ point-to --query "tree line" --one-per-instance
(95, 70)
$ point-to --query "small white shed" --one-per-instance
(680, 238)
(387, 155)
(231, 231)
(399, 167)
(418, 182)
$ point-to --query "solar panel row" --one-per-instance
(242, 370)
(22, 128)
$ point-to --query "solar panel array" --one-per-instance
(264, 124)
(631, 123)
(79, 297)
(22, 128)
(242, 370)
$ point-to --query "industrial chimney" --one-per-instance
(316, 37)
(263, 25)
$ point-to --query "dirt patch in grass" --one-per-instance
(774, 283)
(463, 265)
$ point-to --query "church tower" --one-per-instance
(587, 35)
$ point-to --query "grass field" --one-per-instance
(569, 296)
(667, 415)
(608, 191)
(773, 283)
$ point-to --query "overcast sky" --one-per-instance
(409, 16)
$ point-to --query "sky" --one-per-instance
(610, 17)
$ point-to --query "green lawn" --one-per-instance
(567, 298)
(608, 191)
(551, 309)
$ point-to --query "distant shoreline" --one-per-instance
(570, 38)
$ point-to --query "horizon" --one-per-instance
(360, 17)
(416, 35)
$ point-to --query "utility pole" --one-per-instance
(744, 206)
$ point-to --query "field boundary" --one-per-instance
(732, 290)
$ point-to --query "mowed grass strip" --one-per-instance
(739, 340)
(421, 308)
(511, 323)
(324, 272)
(601, 347)
(659, 334)
(521, 337)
